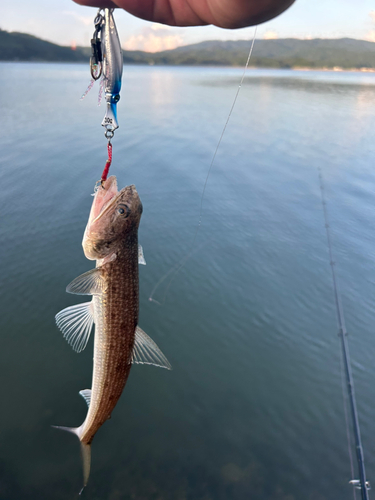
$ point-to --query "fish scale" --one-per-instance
(114, 339)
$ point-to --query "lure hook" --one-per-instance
(96, 59)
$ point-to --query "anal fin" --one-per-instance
(86, 394)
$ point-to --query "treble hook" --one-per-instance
(96, 59)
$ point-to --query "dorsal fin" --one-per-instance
(141, 257)
(146, 352)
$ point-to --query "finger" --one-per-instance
(230, 14)
(160, 11)
(99, 4)
(233, 14)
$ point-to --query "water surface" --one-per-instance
(253, 407)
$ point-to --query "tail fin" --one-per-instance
(73, 430)
(86, 462)
(85, 452)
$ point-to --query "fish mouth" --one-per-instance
(105, 197)
(99, 226)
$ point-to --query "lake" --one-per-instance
(253, 407)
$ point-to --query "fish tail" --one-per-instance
(86, 463)
(72, 430)
(85, 452)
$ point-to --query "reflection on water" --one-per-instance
(253, 406)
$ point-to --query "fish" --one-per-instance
(112, 69)
(111, 239)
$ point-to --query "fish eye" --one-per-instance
(123, 210)
(116, 98)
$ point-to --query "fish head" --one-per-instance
(114, 217)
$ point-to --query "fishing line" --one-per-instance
(175, 269)
(360, 483)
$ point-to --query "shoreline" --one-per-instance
(336, 69)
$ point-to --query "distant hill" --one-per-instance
(21, 47)
(346, 53)
(281, 53)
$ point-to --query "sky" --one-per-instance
(66, 23)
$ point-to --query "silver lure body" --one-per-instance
(112, 71)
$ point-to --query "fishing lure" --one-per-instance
(106, 62)
(112, 71)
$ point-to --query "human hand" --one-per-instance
(223, 13)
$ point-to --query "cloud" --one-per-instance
(86, 20)
(270, 35)
(370, 37)
(372, 15)
(162, 27)
(153, 38)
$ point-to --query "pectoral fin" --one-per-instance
(76, 323)
(90, 283)
(146, 352)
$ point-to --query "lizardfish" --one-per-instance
(112, 71)
(110, 238)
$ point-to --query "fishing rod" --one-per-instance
(361, 484)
